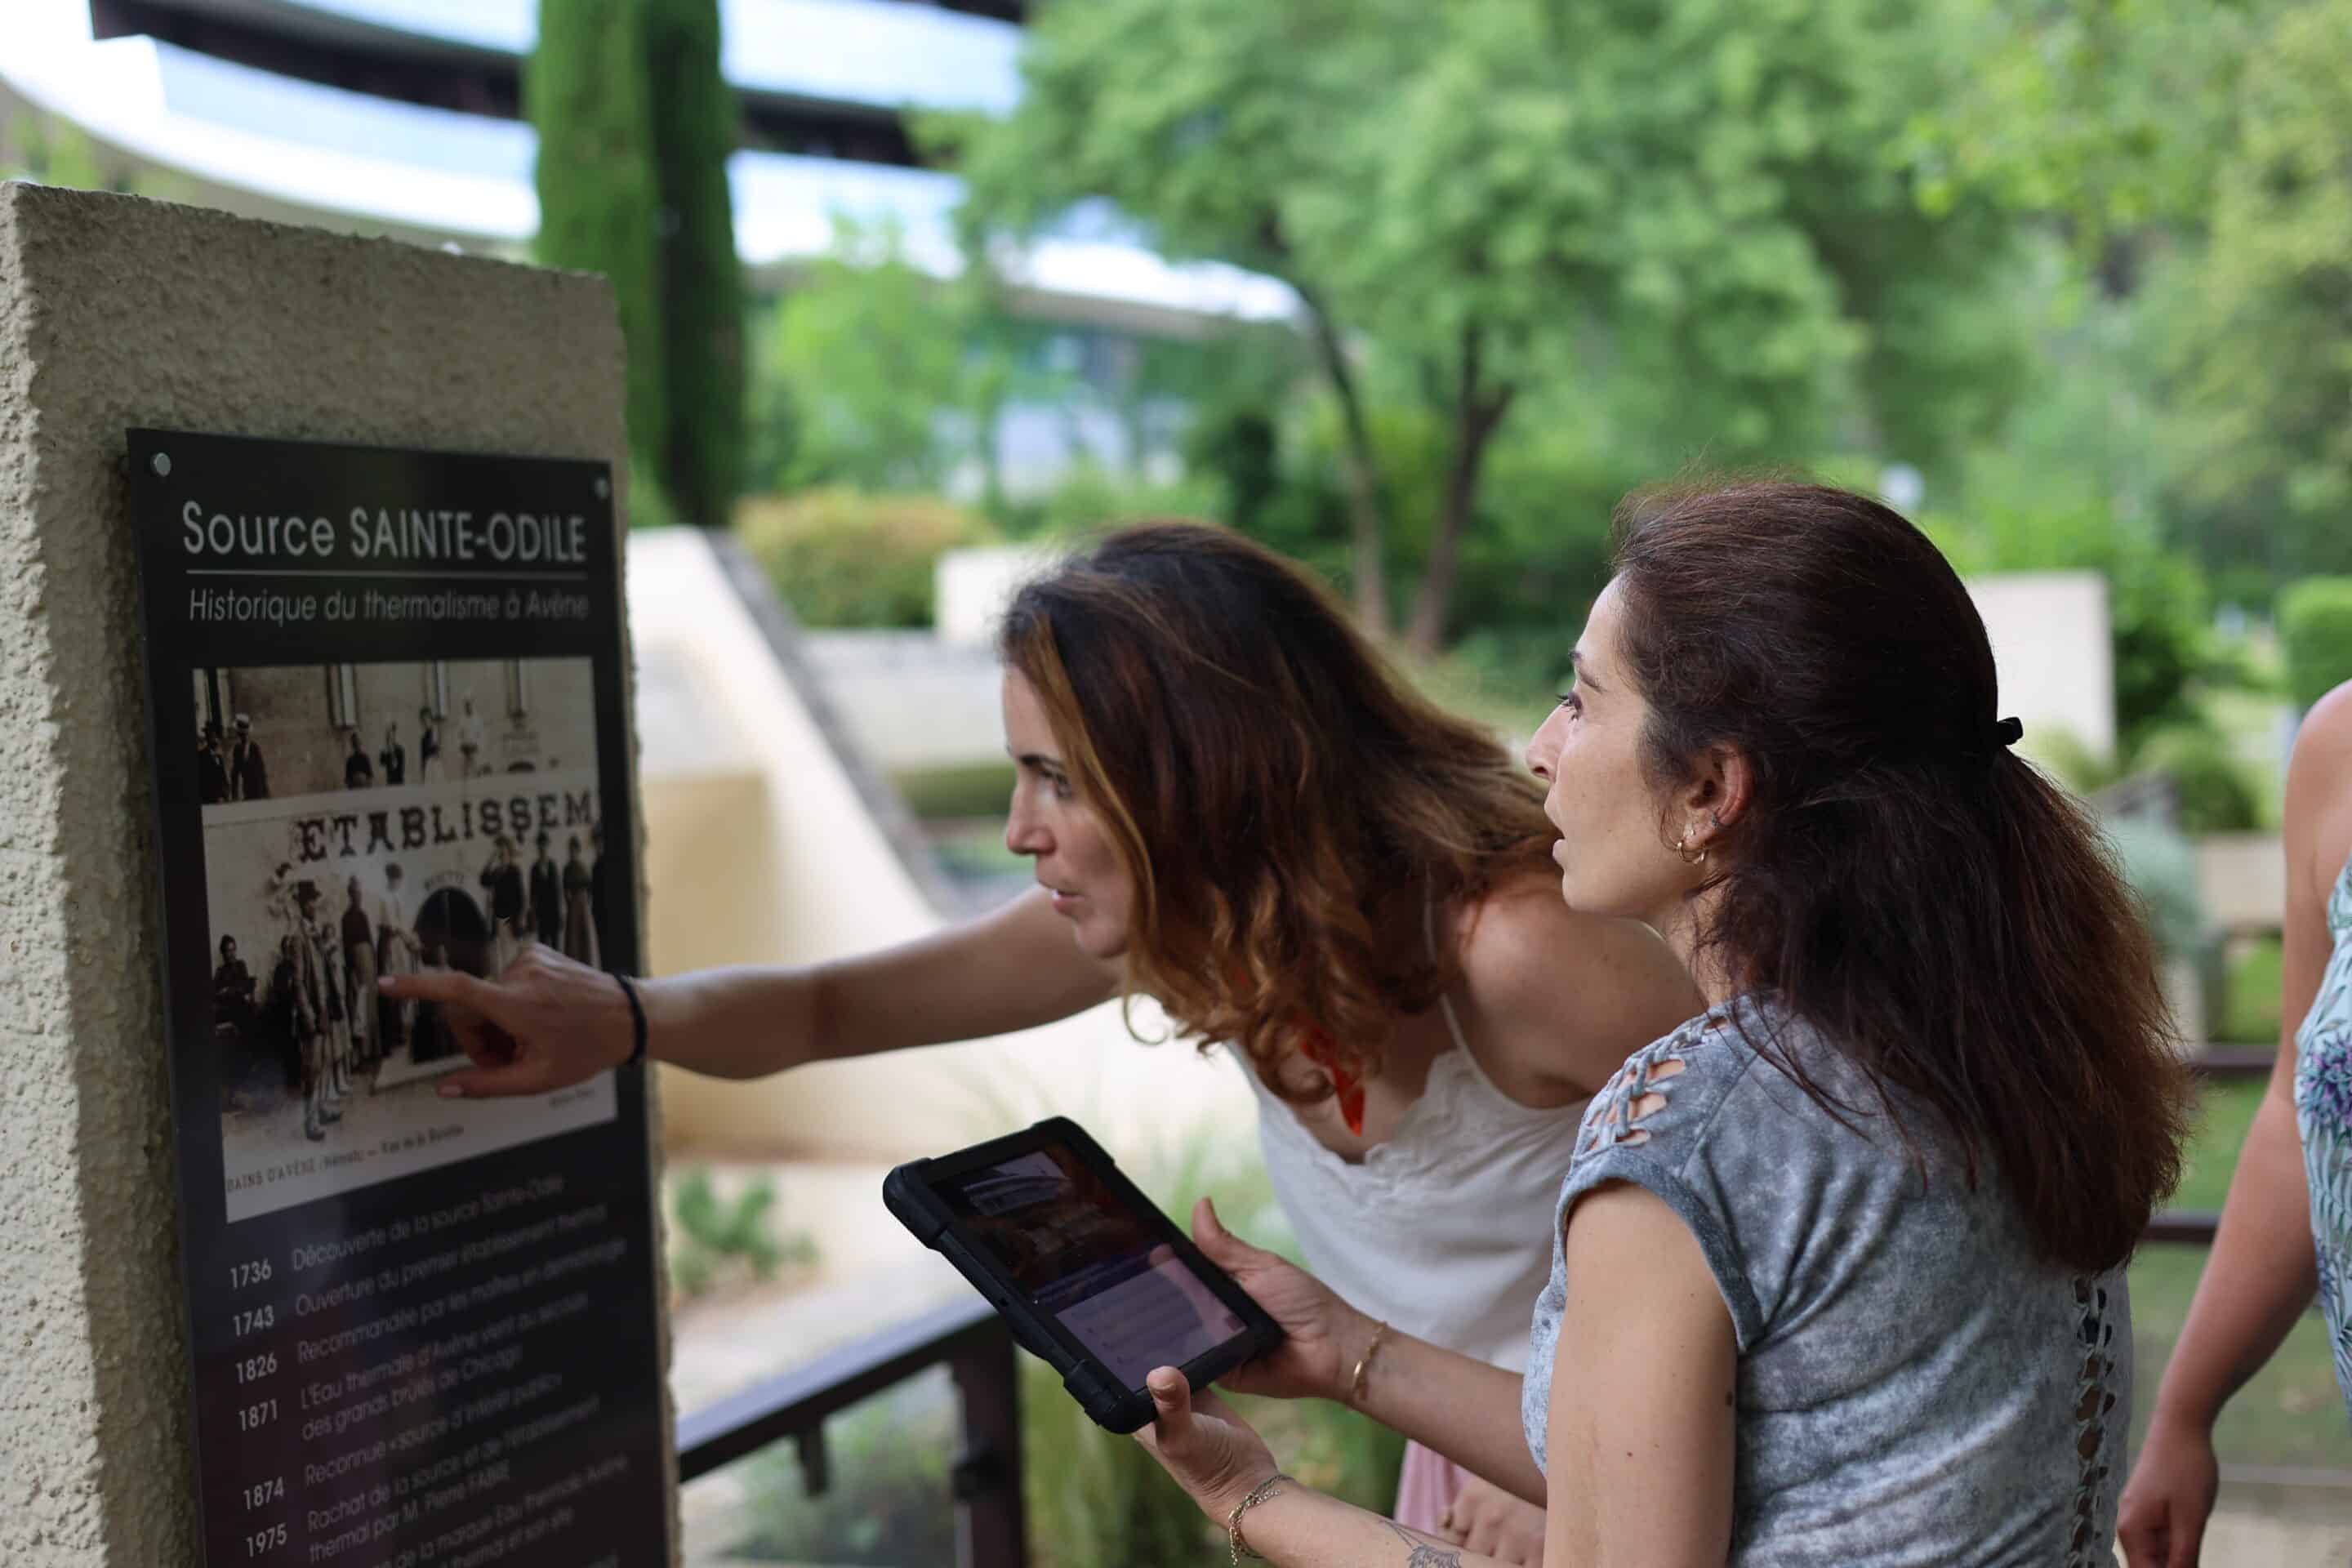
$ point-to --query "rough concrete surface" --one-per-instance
(116, 312)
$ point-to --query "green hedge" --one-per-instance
(2315, 624)
(694, 128)
(585, 91)
(2216, 792)
(843, 558)
(973, 790)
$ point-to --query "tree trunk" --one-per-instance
(1477, 414)
(1367, 509)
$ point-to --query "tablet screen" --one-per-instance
(1089, 1262)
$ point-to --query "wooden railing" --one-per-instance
(967, 1338)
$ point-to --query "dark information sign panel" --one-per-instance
(386, 709)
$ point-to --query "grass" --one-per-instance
(2290, 1412)
(2223, 1114)
(2250, 1007)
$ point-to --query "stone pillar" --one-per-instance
(117, 312)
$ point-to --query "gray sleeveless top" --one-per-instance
(1916, 1386)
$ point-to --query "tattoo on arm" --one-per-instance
(1425, 1554)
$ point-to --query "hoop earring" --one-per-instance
(1689, 858)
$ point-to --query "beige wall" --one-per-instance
(2052, 653)
(2241, 881)
(915, 701)
(116, 312)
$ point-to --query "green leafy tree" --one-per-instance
(2315, 621)
(2264, 399)
(695, 128)
(599, 198)
(2194, 155)
(49, 151)
(877, 372)
(1201, 118)
(2105, 115)
(1500, 196)
(635, 124)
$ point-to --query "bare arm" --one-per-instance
(1464, 1409)
(1458, 1406)
(2261, 1273)
(1640, 1434)
(1226, 1468)
(548, 1022)
(1012, 969)
(1298, 1527)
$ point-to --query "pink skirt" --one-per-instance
(1426, 1488)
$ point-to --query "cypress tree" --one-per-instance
(586, 92)
(701, 454)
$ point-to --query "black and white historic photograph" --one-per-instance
(366, 819)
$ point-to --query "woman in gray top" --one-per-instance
(1837, 1266)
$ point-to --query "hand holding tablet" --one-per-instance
(1091, 1276)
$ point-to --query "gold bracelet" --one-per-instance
(1356, 1381)
(1258, 1494)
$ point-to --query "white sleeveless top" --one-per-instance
(1444, 1230)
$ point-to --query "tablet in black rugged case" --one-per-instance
(1092, 1277)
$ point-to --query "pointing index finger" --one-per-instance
(446, 986)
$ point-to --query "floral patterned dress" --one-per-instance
(2323, 1113)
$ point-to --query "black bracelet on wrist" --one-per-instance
(636, 1019)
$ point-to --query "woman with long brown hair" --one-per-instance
(2287, 1229)
(1837, 1266)
(1235, 808)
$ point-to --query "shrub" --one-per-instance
(842, 558)
(2315, 624)
(2162, 868)
(2065, 754)
(2215, 792)
(717, 1236)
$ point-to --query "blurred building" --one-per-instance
(404, 118)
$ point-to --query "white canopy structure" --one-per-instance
(252, 140)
